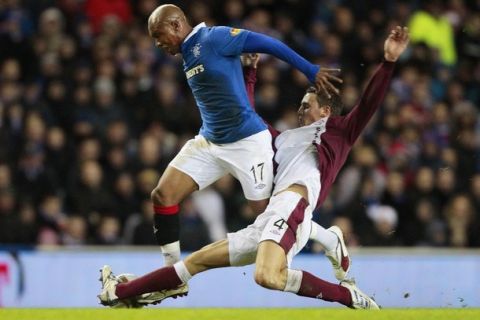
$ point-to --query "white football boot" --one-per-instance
(109, 284)
(152, 297)
(360, 300)
(158, 296)
(339, 256)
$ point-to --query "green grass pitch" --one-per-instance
(236, 314)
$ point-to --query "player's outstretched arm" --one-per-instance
(322, 77)
(377, 87)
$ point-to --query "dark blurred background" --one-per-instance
(91, 113)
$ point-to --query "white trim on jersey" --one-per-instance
(195, 30)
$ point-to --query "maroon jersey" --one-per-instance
(341, 132)
(250, 78)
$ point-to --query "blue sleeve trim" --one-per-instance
(257, 42)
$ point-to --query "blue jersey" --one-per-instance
(214, 72)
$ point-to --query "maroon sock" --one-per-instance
(161, 279)
(314, 287)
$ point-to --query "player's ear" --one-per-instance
(328, 110)
(175, 24)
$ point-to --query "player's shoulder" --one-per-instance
(336, 125)
(334, 121)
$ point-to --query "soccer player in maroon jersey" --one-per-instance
(309, 158)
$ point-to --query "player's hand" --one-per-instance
(250, 59)
(324, 78)
(396, 43)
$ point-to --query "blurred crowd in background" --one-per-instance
(91, 113)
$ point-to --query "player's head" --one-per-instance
(168, 26)
(316, 105)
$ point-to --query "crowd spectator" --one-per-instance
(91, 113)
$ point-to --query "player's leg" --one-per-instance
(212, 256)
(305, 284)
(326, 238)
(272, 272)
(173, 187)
(271, 266)
(284, 235)
(240, 249)
(193, 168)
(164, 282)
(250, 160)
(258, 206)
(285, 214)
(335, 249)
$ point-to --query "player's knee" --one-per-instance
(162, 196)
(268, 278)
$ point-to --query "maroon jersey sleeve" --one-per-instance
(250, 77)
(341, 132)
(370, 101)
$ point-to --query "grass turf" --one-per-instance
(236, 314)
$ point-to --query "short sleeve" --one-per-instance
(228, 41)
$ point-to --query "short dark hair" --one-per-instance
(335, 101)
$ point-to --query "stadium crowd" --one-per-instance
(91, 113)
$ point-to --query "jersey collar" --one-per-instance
(195, 30)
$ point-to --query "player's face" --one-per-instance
(310, 111)
(166, 38)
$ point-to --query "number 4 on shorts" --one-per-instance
(280, 224)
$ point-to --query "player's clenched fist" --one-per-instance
(396, 43)
(250, 59)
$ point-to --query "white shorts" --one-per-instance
(286, 221)
(250, 160)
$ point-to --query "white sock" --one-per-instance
(321, 235)
(294, 280)
(182, 271)
(171, 253)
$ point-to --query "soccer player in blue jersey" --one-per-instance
(233, 138)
